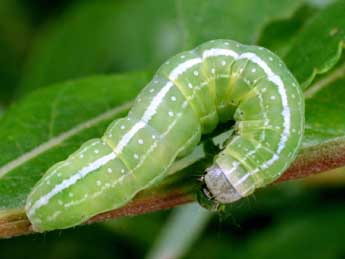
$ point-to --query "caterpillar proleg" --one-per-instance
(190, 95)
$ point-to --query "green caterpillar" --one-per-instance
(189, 96)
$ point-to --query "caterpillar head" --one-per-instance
(216, 189)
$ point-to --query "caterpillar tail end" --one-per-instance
(35, 223)
(216, 190)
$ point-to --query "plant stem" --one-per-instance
(311, 160)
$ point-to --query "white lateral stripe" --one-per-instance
(152, 109)
(183, 67)
(124, 176)
(72, 180)
(151, 148)
(286, 111)
(214, 52)
(128, 136)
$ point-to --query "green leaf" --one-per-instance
(48, 125)
(325, 108)
(272, 37)
(102, 36)
(318, 46)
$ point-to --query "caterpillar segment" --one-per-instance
(190, 95)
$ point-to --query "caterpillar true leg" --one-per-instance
(190, 95)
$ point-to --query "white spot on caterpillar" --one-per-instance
(270, 58)
(183, 56)
(181, 68)
(140, 141)
(128, 136)
(196, 73)
(273, 78)
(254, 70)
(173, 98)
(171, 114)
(70, 194)
(60, 202)
(96, 151)
(136, 156)
(70, 181)
(152, 90)
(109, 170)
(123, 127)
(153, 136)
(81, 155)
(213, 70)
(273, 97)
(223, 63)
(123, 171)
(99, 183)
(190, 85)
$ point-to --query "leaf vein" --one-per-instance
(57, 140)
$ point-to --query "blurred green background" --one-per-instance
(44, 42)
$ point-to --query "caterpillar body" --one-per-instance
(189, 95)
